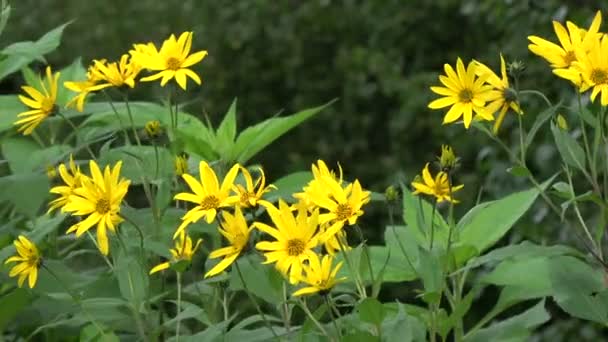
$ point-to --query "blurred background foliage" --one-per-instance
(378, 57)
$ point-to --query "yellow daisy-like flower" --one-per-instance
(464, 92)
(208, 195)
(315, 186)
(438, 187)
(41, 102)
(502, 96)
(28, 261)
(84, 88)
(251, 194)
(234, 228)
(592, 67)
(180, 164)
(295, 239)
(332, 244)
(344, 204)
(319, 276)
(72, 179)
(173, 60)
(184, 251)
(118, 74)
(562, 57)
(99, 197)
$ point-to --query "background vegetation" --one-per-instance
(377, 57)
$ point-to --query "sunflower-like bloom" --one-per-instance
(117, 74)
(72, 180)
(234, 228)
(183, 251)
(592, 67)
(251, 194)
(42, 103)
(28, 261)
(295, 239)
(344, 204)
(99, 197)
(336, 243)
(464, 92)
(438, 187)
(315, 186)
(208, 195)
(173, 60)
(84, 88)
(319, 276)
(502, 96)
(562, 57)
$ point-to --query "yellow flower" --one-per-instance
(72, 179)
(41, 102)
(502, 96)
(181, 164)
(562, 57)
(183, 251)
(465, 92)
(332, 244)
(438, 187)
(208, 195)
(99, 198)
(592, 67)
(28, 261)
(315, 186)
(173, 60)
(295, 239)
(344, 204)
(84, 88)
(251, 194)
(153, 129)
(236, 231)
(319, 276)
(117, 74)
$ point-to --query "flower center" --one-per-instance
(210, 202)
(173, 63)
(569, 57)
(343, 212)
(102, 206)
(295, 247)
(240, 240)
(599, 76)
(245, 196)
(465, 95)
(47, 105)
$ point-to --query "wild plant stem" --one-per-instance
(126, 97)
(314, 320)
(179, 305)
(75, 129)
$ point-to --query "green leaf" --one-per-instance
(23, 53)
(572, 153)
(397, 328)
(25, 202)
(255, 138)
(540, 120)
(24, 155)
(288, 185)
(13, 303)
(262, 280)
(487, 222)
(430, 270)
(418, 215)
(92, 333)
(4, 15)
(516, 328)
(140, 161)
(226, 132)
(371, 311)
(519, 171)
(10, 106)
(132, 278)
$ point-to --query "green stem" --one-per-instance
(313, 319)
(585, 139)
(105, 258)
(179, 305)
(75, 129)
(433, 225)
(331, 315)
(122, 127)
(126, 97)
(139, 231)
(286, 314)
(522, 147)
(367, 254)
(355, 273)
(254, 302)
(401, 247)
(537, 93)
